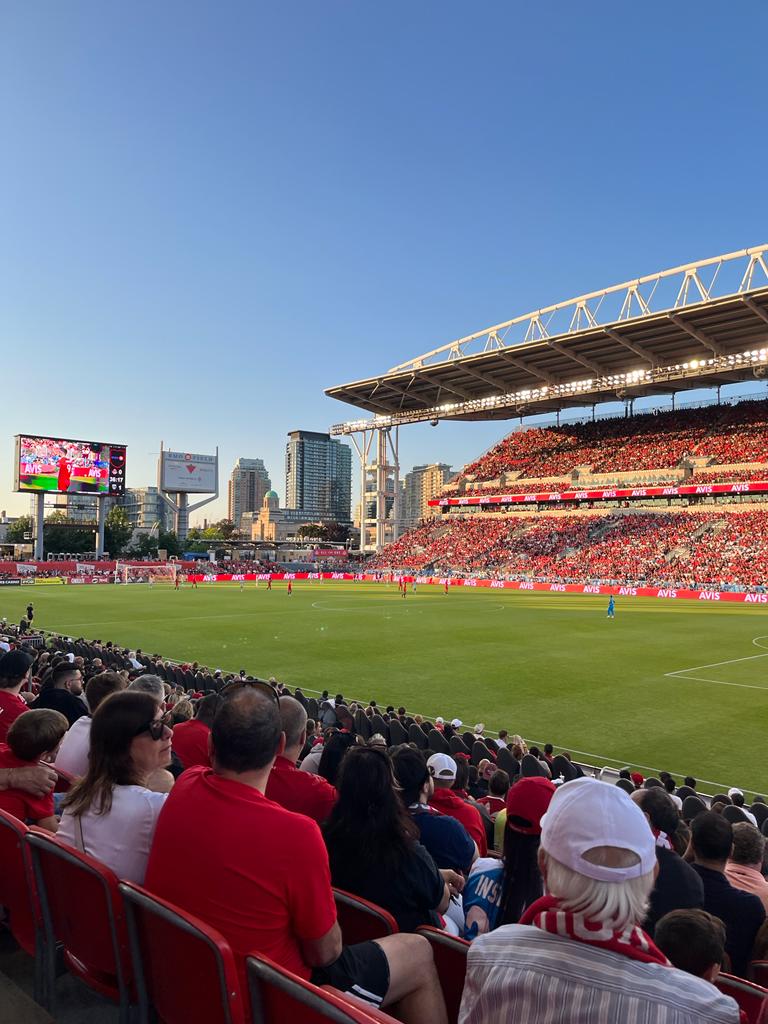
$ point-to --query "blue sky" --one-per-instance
(210, 212)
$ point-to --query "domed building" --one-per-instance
(274, 524)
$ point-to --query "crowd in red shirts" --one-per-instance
(703, 550)
(727, 435)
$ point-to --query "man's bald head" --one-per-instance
(294, 719)
(246, 731)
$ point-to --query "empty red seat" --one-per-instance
(81, 907)
(183, 968)
(360, 920)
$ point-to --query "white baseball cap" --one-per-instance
(734, 791)
(439, 721)
(456, 723)
(444, 767)
(587, 813)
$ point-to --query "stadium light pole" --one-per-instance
(101, 506)
(39, 521)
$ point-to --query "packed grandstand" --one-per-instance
(696, 541)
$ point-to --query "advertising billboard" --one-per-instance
(61, 465)
(186, 473)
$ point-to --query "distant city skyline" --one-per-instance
(208, 220)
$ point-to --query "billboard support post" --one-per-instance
(180, 503)
(39, 521)
(102, 518)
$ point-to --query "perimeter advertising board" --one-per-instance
(187, 473)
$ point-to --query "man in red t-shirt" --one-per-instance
(14, 673)
(297, 791)
(445, 800)
(259, 873)
(191, 738)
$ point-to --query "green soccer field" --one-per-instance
(672, 685)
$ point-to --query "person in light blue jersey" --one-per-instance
(611, 607)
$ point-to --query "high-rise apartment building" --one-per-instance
(422, 484)
(145, 507)
(248, 483)
(318, 475)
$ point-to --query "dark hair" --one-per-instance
(36, 733)
(690, 781)
(55, 674)
(208, 707)
(653, 783)
(522, 882)
(499, 783)
(411, 772)
(737, 799)
(548, 748)
(334, 748)
(660, 808)
(712, 836)
(669, 784)
(246, 731)
(462, 774)
(100, 686)
(116, 722)
(369, 824)
(692, 939)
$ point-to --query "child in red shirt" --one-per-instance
(35, 736)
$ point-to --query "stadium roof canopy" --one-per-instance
(700, 325)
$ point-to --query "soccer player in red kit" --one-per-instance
(290, 587)
(65, 473)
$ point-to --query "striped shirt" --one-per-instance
(520, 973)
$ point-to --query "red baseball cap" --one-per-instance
(528, 799)
(637, 778)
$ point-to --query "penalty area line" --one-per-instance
(683, 673)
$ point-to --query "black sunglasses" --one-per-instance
(236, 685)
(156, 727)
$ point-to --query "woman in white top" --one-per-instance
(111, 814)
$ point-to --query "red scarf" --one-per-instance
(631, 942)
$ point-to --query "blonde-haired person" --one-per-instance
(518, 741)
(579, 953)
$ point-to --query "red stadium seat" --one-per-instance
(752, 998)
(18, 895)
(183, 968)
(81, 908)
(450, 955)
(279, 997)
(758, 969)
(361, 920)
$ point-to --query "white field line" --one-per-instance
(683, 673)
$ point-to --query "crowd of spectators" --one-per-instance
(572, 891)
(704, 550)
(727, 435)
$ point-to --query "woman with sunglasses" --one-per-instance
(111, 813)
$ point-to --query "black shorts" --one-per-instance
(361, 970)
